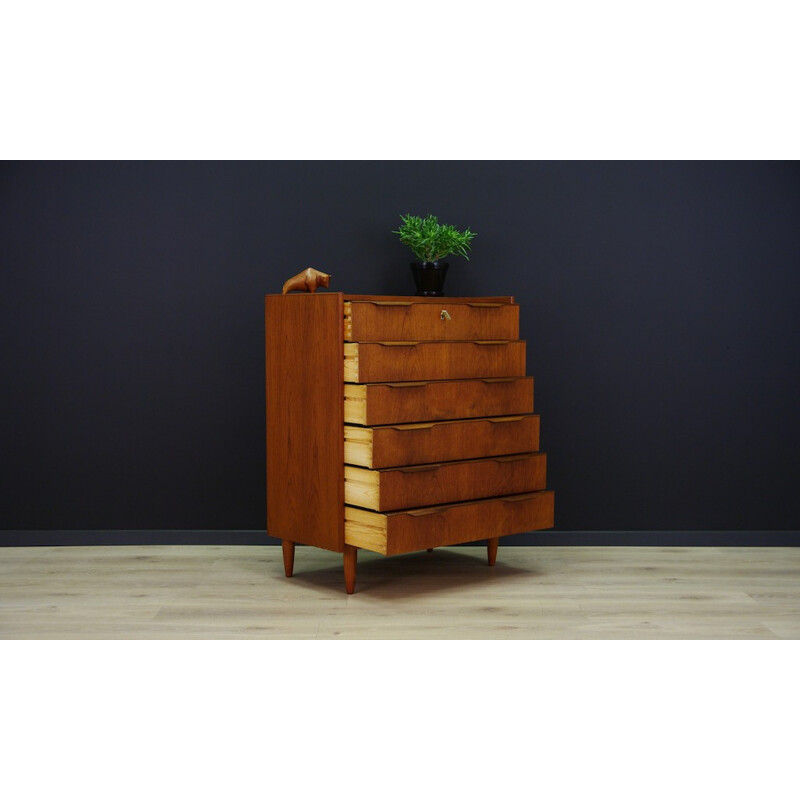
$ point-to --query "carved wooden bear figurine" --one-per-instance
(307, 281)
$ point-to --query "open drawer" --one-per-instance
(405, 531)
(419, 401)
(451, 482)
(432, 442)
(376, 362)
(405, 320)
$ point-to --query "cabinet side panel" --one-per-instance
(305, 425)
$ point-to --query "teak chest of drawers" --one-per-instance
(399, 423)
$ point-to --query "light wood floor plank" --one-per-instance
(237, 592)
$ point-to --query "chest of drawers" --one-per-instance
(397, 424)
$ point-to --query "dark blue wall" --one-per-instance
(660, 301)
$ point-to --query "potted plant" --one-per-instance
(431, 242)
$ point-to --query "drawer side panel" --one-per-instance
(304, 389)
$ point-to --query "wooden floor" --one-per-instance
(211, 592)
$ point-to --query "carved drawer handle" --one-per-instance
(396, 344)
(380, 303)
(517, 499)
(502, 421)
(408, 385)
(423, 512)
(418, 427)
(499, 380)
(486, 305)
(496, 343)
(422, 468)
(506, 459)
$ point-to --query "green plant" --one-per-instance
(430, 241)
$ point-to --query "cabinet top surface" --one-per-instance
(398, 298)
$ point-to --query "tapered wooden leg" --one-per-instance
(492, 548)
(350, 557)
(288, 557)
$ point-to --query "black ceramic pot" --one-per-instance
(429, 277)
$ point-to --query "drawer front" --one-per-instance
(388, 321)
(435, 484)
(381, 362)
(404, 445)
(387, 403)
(406, 531)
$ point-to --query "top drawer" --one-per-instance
(403, 321)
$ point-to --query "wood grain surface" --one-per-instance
(380, 362)
(432, 442)
(421, 401)
(449, 482)
(405, 531)
(384, 321)
(304, 386)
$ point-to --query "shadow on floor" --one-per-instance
(410, 575)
